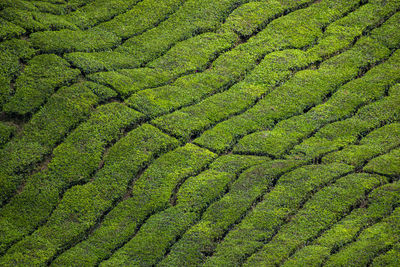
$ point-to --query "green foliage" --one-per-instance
(82, 205)
(145, 15)
(342, 104)
(9, 30)
(387, 164)
(262, 115)
(390, 258)
(73, 162)
(150, 193)
(100, 61)
(64, 110)
(300, 99)
(98, 11)
(342, 133)
(381, 203)
(72, 41)
(325, 208)
(41, 77)
(291, 190)
(6, 132)
(35, 21)
(370, 243)
(375, 143)
(12, 52)
(202, 238)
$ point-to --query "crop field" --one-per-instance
(200, 133)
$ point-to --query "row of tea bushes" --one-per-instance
(83, 205)
(222, 136)
(45, 130)
(73, 162)
(381, 203)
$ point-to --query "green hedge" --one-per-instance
(73, 162)
(387, 164)
(35, 21)
(155, 236)
(342, 133)
(390, 258)
(83, 205)
(205, 15)
(6, 132)
(223, 135)
(326, 207)
(381, 203)
(375, 143)
(343, 103)
(200, 240)
(141, 17)
(9, 30)
(150, 243)
(98, 11)
(232, 66)
(72, 41)
(12, 52)
(370, 243)
(342, 33)
(41, 77)
(291, 190)
(150, 193)
(64, 110)
(99, 61)
(176, 26)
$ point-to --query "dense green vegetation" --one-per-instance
(199, 132)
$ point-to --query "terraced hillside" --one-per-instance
(200, 132)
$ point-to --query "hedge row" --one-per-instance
(64, 110)
(41, 77)
(224, 134)
(98, 11)
(188, 56)
(9, 30)
(291, 190)
(92, 62)
(342, 133)
(375, 143)
(150, 194)
(370, 243)
(343, 103)
(7, 130)
(33, 21)
(180, 54)
(13, 52)
(387, 164)
(200, 240)
(390, 258)
(381, 203)
(71, 41)
(228, 68)
(306, 88)
(56, 7)
(150, 243)
(321, 212)
(83, 205)
(73, 162)
(161, 230)
(342, 33)
(154, 42)
(141, 17)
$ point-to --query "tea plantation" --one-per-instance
(200, 133)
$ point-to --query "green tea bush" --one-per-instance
(41, 77)
(325, 208)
